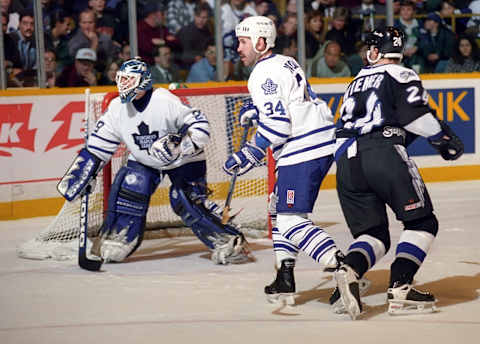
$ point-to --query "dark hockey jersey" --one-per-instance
(380, 96)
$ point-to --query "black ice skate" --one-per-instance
(403, 299)
(283, 288)
(336, 301)
(348, 286)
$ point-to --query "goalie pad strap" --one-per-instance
(80, 174)
(205, 225)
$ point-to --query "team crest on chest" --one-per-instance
(269, 87)
(145, 139)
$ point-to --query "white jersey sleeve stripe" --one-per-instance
(104, 139)
(271, 131)
(310, 133)
(309, 148)
(203, 131)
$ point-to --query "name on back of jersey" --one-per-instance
(364, 83)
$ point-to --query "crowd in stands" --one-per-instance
(86, 41)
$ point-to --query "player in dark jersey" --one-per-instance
(384, 107)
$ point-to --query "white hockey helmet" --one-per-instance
(256, 27)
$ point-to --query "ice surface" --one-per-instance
(170, 292)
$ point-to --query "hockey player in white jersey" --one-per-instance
(164, 137)
(383, 109)
(299, 128)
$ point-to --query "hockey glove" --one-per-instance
(244, 160)
(166, 149)
(447, 143)
(248, 115)
(80, 177)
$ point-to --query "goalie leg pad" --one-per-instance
(122, 231)
(78, 179)
(228, 245)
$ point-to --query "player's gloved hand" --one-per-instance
(166, 149)
(248, 115)
(244, 160)
(447, 143)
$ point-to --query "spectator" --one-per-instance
(474, 22)
(57, 38)
(87, 37)
(313, 33)
(12, 9)
(232, 12)
(205, 69)
(81, 72)
(124, 53)
(436, 44)
(327, 7)
(262, 7)
(195, 36)
(466, 58)
(101, 14)
(180, 13)
(152, 32)
(50, 68)
(110, 72)
(411, 27)
(342, 32)
(286, 45)
(330, 65)
(13, 64)
(25, 44)
(289, 26)
(447, 10)
(164, 71)
(358, 60)
(367, 11)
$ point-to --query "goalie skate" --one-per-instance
(336, 301)
(283, 288)
(403, 299)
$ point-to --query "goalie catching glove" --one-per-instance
(247, 158)
(167, 149)
(447, 143)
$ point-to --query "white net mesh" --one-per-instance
(59, 240)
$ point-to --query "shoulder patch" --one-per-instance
(269, 87)
(402, 74)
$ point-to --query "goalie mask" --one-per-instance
(256, 27)
(133, 76)
(389, 42)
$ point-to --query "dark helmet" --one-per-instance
(390, 42)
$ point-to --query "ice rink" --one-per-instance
(170, 292)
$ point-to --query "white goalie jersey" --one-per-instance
(300, 128)
(164, 114)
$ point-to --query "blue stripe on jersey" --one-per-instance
(325, 248)
(365, 246)
(308, 148)
(311, 133)
(203, 131)
(284, 247)
(276, 133)
(411, 249)
(104, 139)
(283, 119)
(101, 150)
(276, 148)
(293, 230)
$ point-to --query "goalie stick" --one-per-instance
(226, 209)
(83, 261)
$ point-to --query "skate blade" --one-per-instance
(411, 307)
(349, 301)
(363, 286)
(286, 298)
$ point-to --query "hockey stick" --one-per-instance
(83, 261)
(226, 208)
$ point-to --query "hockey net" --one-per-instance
(59, 240)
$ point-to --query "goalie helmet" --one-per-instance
(133, 76)
(256, 27)
(389, 42)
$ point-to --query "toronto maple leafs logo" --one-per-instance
(145, 139)
(269, 87)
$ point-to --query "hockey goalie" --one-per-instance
(165, 138)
